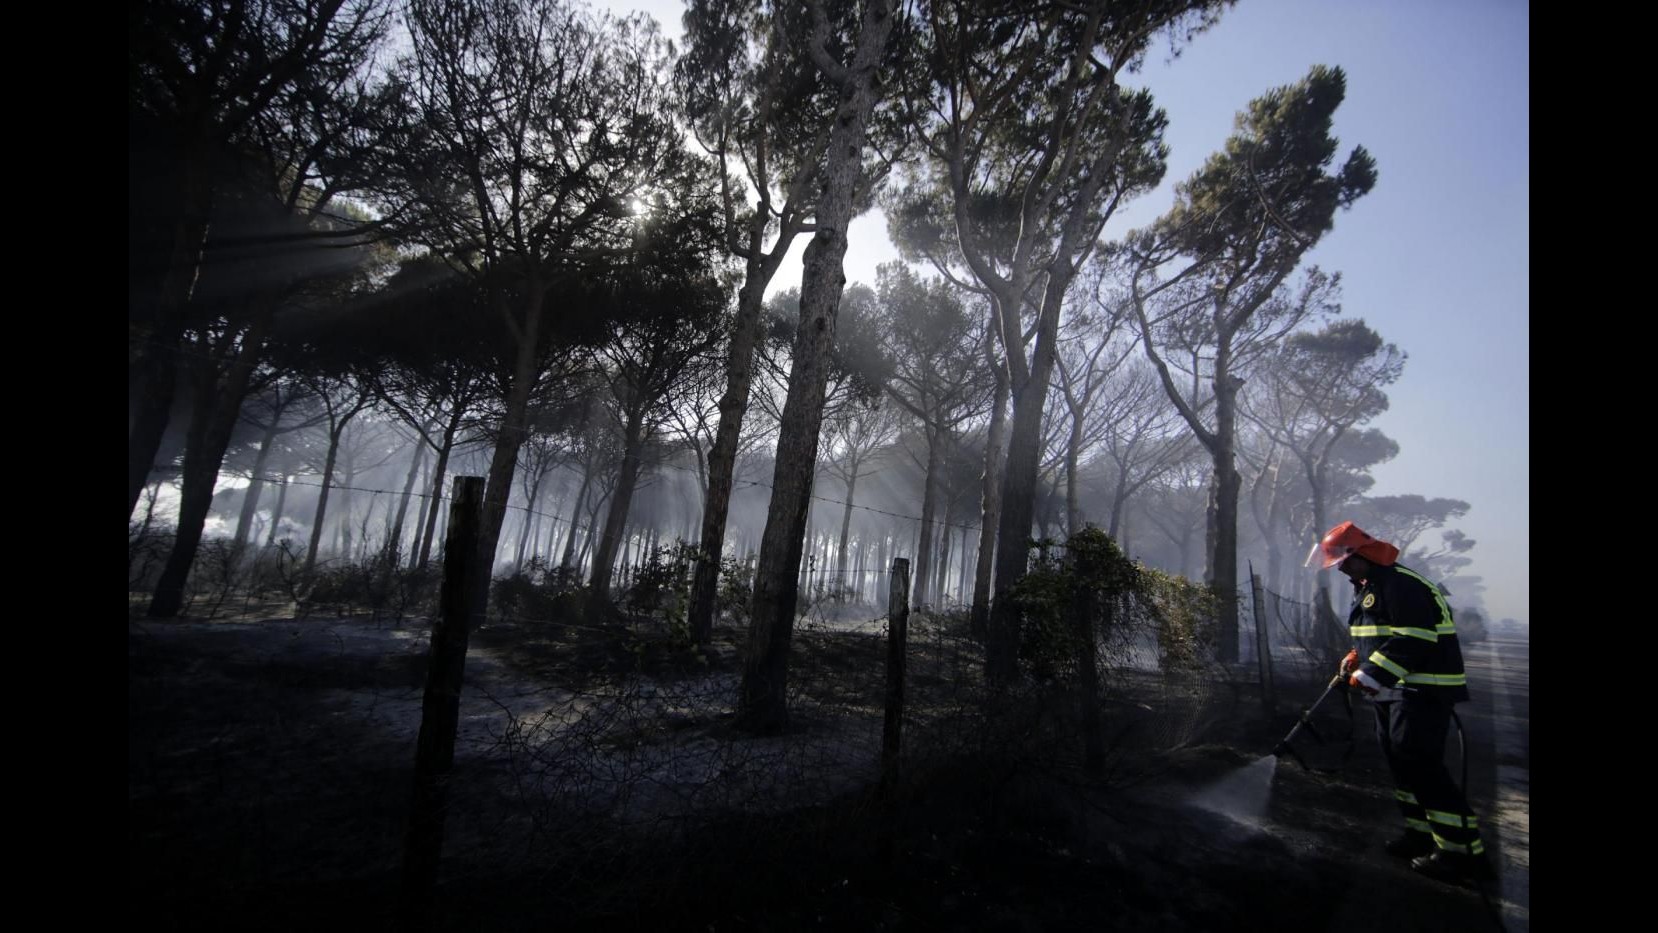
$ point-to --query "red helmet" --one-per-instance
(1346, 539)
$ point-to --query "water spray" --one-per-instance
(1244, 793)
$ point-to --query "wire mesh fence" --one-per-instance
(598, 756)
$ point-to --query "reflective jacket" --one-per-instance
(1401, 626)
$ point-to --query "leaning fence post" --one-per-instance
(1263, 644)
(898, 618)
(440, 710)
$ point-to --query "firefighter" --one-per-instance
(1405, 658)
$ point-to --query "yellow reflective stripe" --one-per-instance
(1473, 848)
(1367, 631)
(1453, 819)
(1370, 631)
(1435, 680)
(1438, 597)
(1422, 633)
(1404, 795)
(1380, 660)
(1419, 825)
(1445, 628)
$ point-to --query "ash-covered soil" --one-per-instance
(270, 763)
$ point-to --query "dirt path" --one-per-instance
(1503, 731)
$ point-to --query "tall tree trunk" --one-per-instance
(276, 514)
(1019, 496)
(154, 365)
(1275, 566)
(394, 538)
(155, 374)
(827, 581)
(342, 520)
(722, 458)
(991, 510)
(549, 545)
(503, 461)
(943, 576)
(250, 499)
(434, 501)
(535, 532)
(322, 499)
(514, 430)
(154, 493)
(922, 597)
(762, 704)
(1228, 483)
(691, 521)
(420, 519)
(1073, 450)
(843, 558)
(1211, 513)
(881, 560)
(363, 526)
(195, 500)
(1331, 634)
(590, 536)
(1119, 503)
(529, 515)
(862, 576)
(803, 572)
(212, 425)
(616, 521)
(575, 518)
(443, 525)
(1276, 506)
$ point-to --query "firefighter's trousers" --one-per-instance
(1412, 732)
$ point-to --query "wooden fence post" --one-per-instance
(440, 710)
(898, 618)
(1263, 644)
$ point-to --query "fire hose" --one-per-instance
(1306, 722)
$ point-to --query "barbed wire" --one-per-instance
(744, 483)
(805, 569)
(867, 508)
(625, 628)
(737, 484)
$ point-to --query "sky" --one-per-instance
(1436, 258)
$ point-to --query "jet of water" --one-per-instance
(1242, 794)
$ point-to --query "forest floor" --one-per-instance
(270, 764)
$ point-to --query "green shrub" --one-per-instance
(1094, 573)
(736, 593)
(1125, 598)
(537, 592)
(1186, 614)
(661, 588)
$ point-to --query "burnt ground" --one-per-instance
(270, 762)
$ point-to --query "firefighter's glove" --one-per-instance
(1373, 688)
(1350, 663)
